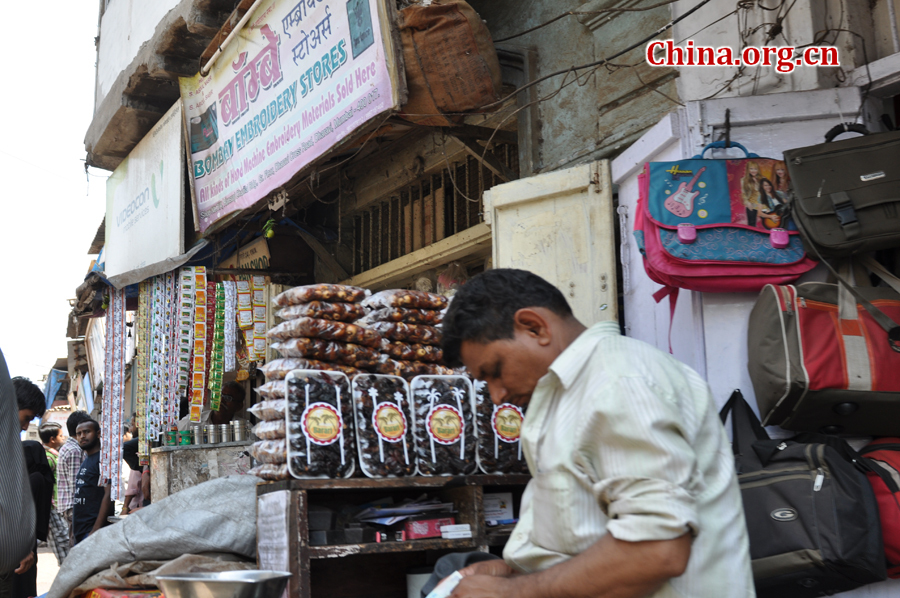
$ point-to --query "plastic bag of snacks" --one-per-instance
(269, 451)
(409, 333)
(320, 425)
(338, 312)
(429, 317)
(316, 348)
(271, 390)
(269, 410)
(326, 329)
(405, 298)
(444, 425)
(499, 429)
(410, 369)
(279, 368)
(384, 432)
(412, 352)
(270, 430)
(271, 472)
(321, 292)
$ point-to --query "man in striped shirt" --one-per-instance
(633, 492)
(70, 458)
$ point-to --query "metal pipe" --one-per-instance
(240, 25)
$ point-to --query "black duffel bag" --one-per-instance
(846, 194)
(812, 517)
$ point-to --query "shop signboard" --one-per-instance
(145, 205)
(253, 256)
(300, 77)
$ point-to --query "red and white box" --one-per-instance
(416, 529)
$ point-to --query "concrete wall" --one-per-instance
(599, 115)
(124, 28)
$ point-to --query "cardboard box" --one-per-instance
(426, 527)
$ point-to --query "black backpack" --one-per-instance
(811, 514)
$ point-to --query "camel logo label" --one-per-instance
(322, 424)
(389, 422)
(445, 424)
(507, 422)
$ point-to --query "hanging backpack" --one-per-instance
(717, 225)
(883, 458)
(812, 518)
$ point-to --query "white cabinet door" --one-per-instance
(559, 225)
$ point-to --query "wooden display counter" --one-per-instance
(373, 570)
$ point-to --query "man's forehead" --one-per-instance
(479, 356)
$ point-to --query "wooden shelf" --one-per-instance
(342, 550)
(394, 483)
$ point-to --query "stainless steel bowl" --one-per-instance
(227, 584)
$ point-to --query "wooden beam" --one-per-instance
(320, 250)
(489, 160)
(474, 240)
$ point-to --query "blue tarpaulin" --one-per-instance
(51, 387)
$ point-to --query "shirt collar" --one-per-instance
(570, 362)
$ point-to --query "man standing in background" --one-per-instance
(58, 537)
(70, 458)
(92, 501)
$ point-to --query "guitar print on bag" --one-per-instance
(681, 203)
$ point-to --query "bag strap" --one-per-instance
(886, 323)
(672, 293)
(745, 426)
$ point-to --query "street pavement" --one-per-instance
(47, 568)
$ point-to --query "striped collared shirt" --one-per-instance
(70, 458)
(623, 439)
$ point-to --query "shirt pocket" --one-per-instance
(567, 519)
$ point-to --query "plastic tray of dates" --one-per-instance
(384, 430)
(319, 421)
(444, 425)
(499, 429)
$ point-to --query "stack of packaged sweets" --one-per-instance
(444, 424)
(499, 430)
(409, 322)
(270, 451)
(384, 426)
(317, 333)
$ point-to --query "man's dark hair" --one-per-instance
(483, 309)
(94, 423)
(29, 396)
(75, 419)
(233, 389)
(49, 431)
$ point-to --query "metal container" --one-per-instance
(225, 433)
(197, 432)
(227, 584)
(239, 430)
(212, 434)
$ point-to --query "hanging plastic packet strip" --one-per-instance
(198, 372)
(319, 424)
(230, 326)
(321, 292)
(407, 299)
(337, 312)
(325, 329)
(384, 430)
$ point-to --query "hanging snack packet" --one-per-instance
(271, 472)
(269, 410)
(409, 333)
(271, 390)
(384, 431)
(271, 430)
(444, 424)
(320, 425)
(269, 451)
(429, 317)
(279, 368)
(412, 352)
(321, 292)
(334, 351)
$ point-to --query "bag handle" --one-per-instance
(721, 145)
(745, 426)
(886, 323)
(845, 128)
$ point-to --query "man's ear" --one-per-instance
(532, 323)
